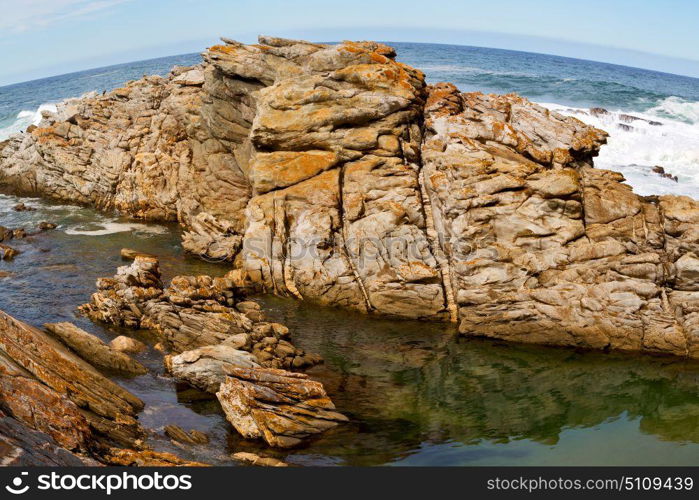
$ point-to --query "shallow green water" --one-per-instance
(416, 394)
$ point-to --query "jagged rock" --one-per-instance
(662, 173)
(127, 345)
(40, 407)
(39, 361)
(333, 173)
(146, 458)
(24, 447)
(541, 247)
(253, 459)
(281, 407)
(91, 348)
(178, 434)
(47, 226)
(120, 300)
(205, 368)
(193, 312)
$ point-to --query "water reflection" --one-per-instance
(412, 388)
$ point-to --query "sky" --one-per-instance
(40, 38)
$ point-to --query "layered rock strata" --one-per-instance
(49, 388)
(193, 312)
(334, 174)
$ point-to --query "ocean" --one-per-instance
(415, 393)
(568, 86)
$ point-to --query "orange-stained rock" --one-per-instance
(145, 458)
(281, 407)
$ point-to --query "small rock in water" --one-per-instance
(21, 207)
(19, 233)
(598, 111)
(126, 344)
(159, 347)
(178, 434)
(665, 175)
(131, 254)
(253, 459)
(5, 234)
(5, 274)
(47, 226)
(7, 252)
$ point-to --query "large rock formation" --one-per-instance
(334, 174)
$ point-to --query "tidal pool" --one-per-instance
(415, 392)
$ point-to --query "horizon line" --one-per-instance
(130, 61)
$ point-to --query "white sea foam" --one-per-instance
(636, 146)
(111, 227)
(24, 119)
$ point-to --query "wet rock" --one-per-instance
(108, 408)
(146, 458)
(178, 434)
(19, 233)
(5, 234)
(127, 345)
(131, 254)
(205, 367)
(92, 349)
(47, 226)
(5, 274)
(662, 173)
(253, 459)
(21, 207)
(24, 447)
(7, 252)
(281, 407)
(598, 111)
(630, 118)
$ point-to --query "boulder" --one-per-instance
(127, 345)
(281, 407)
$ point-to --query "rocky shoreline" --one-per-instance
(331, 174)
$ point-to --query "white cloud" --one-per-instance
(30, 15)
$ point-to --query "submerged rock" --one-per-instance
(131, 254)
(253, 459)
(21, 207)
(127, 345)
(7, 252)
(146, 458)
(281, 407)
(178, 434)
